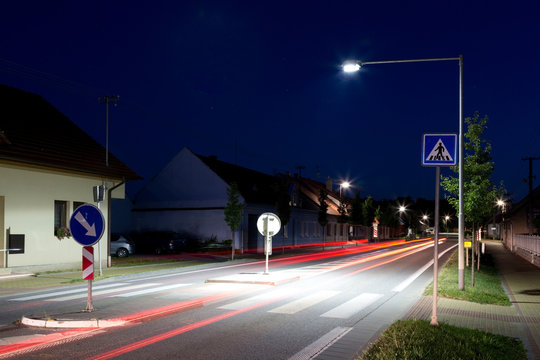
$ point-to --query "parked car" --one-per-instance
(122, 245)
(160, 243)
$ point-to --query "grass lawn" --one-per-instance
(487, 287)
(416, 339)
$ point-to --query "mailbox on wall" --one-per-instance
(16, 243)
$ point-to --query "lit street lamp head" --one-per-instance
(351, 66)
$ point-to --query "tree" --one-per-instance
(342, 218)
(368, 212)
(479, 193)
(233, 212)
(323, 210)
(355, 217)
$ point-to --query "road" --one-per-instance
(330, 305)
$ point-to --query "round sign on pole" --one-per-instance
(87, 225)
(268, 222)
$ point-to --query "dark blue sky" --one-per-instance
(265, 76)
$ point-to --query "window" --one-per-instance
(60, 214)
(76, 204)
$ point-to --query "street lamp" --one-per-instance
(343, 185)
(502, 207)
(354, 65)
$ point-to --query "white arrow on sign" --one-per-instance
(90, 230)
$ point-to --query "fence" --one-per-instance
(526, 246)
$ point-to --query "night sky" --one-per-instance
(258, 83)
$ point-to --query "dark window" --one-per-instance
(76, 204)
(60, 214)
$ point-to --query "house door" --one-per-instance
(253, 233)
(3, 250)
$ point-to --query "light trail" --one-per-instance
(76, 334)
(166, 335)
(175, 332)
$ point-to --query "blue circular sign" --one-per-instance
(87, 225)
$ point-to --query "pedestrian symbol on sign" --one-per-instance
(440, 152)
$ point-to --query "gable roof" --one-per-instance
(254, 186)
(34, 132)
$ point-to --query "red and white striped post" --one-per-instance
(88, 273)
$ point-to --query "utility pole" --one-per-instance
(300, 167)
(107, 99)
(530, 222)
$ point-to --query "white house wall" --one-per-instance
(186, 182)
(29, 195)
(186, 196)
(201, 223)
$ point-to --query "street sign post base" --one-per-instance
(89, 306)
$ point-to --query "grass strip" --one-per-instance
(487, 287)
(416, 339)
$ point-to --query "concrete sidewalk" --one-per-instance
(521, 281)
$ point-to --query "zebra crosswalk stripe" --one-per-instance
(151, 290)
(352, 306)
(305, 302)
(103, 292)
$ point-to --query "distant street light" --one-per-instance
(446, 218)
(502, 207)
(354, 65)
(343, 185)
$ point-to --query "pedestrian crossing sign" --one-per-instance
(439, 150)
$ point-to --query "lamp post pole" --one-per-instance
(354, 65)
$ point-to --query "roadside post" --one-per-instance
(268, 225)
(438, 150)
(86, 225)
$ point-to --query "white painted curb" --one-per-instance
(53, 323)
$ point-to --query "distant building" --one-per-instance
(515, 220)
(189, 196)
(48, 167)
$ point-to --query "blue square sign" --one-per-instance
(439, 150)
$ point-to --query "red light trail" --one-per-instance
(76, 334)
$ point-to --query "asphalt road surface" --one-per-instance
(328, 303)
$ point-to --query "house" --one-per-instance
(516, 219)
(189, 196)
(48, 167)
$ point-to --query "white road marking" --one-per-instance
(317, 347)
(151, 290)
(303, 303)
(352, 306)
(63, 292)
(103, 292)
(237, 305)
(419, 272)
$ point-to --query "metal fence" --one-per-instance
(529, 243)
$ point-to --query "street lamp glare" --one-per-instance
(351, 66)
(500, 202)
(345, 184)
(402, 208)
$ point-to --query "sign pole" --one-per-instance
(268, 225)
(88, 273)
(266, 241)
(434, 321)
(86, 225)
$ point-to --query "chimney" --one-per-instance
(329, 184)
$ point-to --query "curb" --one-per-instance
(54, 323)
